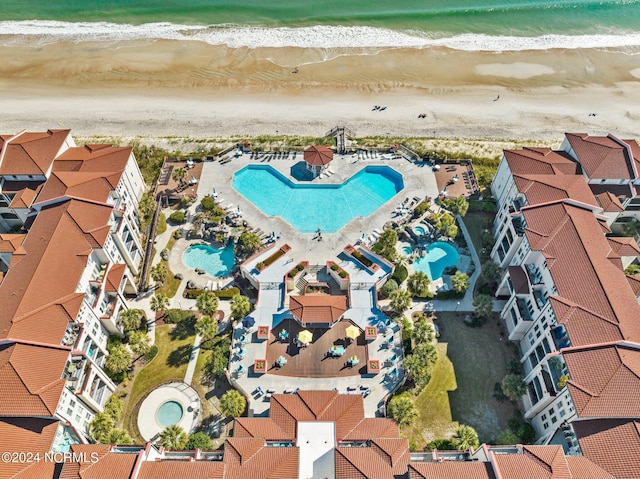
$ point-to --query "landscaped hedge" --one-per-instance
(421, 208)
(270, 260)
(222, 294)
(177, 217)
(400, 274)
(335, 267)
(362, 258)
(174, 316)
(301, 265)
(451, 294)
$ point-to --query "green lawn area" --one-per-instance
(433, 403)
(477, 222)
(170, 285)
(162, 224)
(174, 348)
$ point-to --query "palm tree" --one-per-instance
(491, 272)
(129, 320)
(402, 409)
(117, 436)
(146, 205)
(460, 282)
(240, 307)
(465, 437)
(513, 386)
(159, 302)
(139, 342)
(483, 305)
(179, 174)
(248, 243)
(232, 403)
(159, 273)
(400, 300)
(207, 327)
(119, 359)
(207, 303)
(100, 426)
(418, 284)
(173, 438)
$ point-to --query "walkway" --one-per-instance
(193, 359)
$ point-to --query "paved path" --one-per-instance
(193, 359)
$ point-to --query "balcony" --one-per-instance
(74, 373)
(559, 372)
(560, 337)
(518, 224)
(535, 276)
(71, 334)
(524, 308)
(541, 297)
(108, 305)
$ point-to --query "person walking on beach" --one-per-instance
(497, 98)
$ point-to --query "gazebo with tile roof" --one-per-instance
(318, 158)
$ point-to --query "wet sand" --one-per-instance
(184, 88)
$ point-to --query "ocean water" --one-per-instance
(458, 24)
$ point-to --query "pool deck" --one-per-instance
(419, 181)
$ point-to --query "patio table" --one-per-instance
(336, 350)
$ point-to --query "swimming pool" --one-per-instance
(439, 256)
(407, 250)
(309, 207)
(419, 230)
(216, 262)
(169, 413)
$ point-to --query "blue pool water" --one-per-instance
(407, 250)
(169, 413)
(216, 262)
(419, 230)
(325, 206)
(439, 256)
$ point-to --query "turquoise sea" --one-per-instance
(459, 24)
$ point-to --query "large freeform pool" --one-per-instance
(439, 255)
(216, 262)
(309, 207)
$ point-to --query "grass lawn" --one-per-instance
(174, 348)
(170, 285)
(162, 224)
(481, 357)
(476, 222)
(433, 403)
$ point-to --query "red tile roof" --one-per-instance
(536, 462)
(624, 246)
(114, 277)
(634, 282)
(265, 428)
(178, 469)
(318, 155)
(370, 462)
(540, 161)
(100, 463)
(569, 238)
(583, 468)
(374, 427)
(26, 435)
(605, 156)
(31, 378)
(23, 199)
(546, 188)
(605, 380)
(252, 458)
(318, 309)
(609, 202)
(30, 153)
(612, 444)
(450, 470)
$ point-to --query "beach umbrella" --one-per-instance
(305, 336)
(353, 332)
(248, 322)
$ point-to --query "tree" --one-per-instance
(117, 436)
(130, 319)
(159, 273)
(218, 361)
(159, 302)
(445, 224)
(173, 438)
(418, 284)
(460, 282)
(400, 300)
(465, 437)
(119, 359)
(100, 426)
(402, 409)
(632, 270)
(458, 206)
(491, 272)
(422, 331)
(233, 403)
(179, 174)
(207, 303)
(207, 327)
(420, 362)
(388, 288)
(386, 245)
(240, 307)
(177, 217)
(506, 438)
(248, 243)
(114, 408)
(139, 342)
(146, 206)
(483, 305)
(513, 386)
(198, 440)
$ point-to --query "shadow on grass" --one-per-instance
(179, 356)
(184, 329)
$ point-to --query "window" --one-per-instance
(545, 425)
(551, 410)
(554, 420)
(543, 417)
(69, 412)
(562, 413)
(72, 403)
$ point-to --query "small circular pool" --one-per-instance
(169, 413)
(407, 250)
(215, 261)
(419, 230)
(439, 255)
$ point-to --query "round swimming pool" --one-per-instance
(324, 206)
(419, 230)
(407, 250)
(216, 262)
(439, 255)
(169, 413)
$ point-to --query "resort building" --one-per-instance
(68, 259)
(567, 296)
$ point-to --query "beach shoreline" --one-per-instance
(191, 89)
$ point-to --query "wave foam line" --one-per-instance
(323, 36)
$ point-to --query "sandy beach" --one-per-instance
(187, 88)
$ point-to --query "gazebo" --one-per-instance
(317, 159)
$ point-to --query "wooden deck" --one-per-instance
(314, 361)
(466, 184)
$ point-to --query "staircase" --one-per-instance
(340, 133)
(310, 276)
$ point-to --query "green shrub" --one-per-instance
(208, 203)
(177, 234)
(222, 294)
(342, 273)
(177, 217)
(441, 444)
(153, 351)
(175, 316)
(400, 274)
(421, 208)
(362, 258)
(162, 224)
(451, 294)
(335, 267)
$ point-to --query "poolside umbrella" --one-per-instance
(248, 322)
(281, 361)
(305, 336)
(353, 332)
